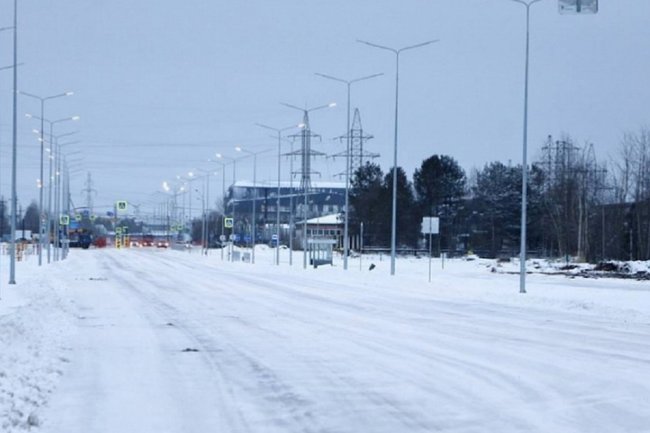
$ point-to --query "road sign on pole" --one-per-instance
(227, 223)
(121, 207)
(430, 225)
(567, 7)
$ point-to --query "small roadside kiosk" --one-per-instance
(321, 251)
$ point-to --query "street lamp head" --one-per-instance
(238, 148)
(75, 118)
(218, 155)
(332, 104)
(29, 116)
(69, 93)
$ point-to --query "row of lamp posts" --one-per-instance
(397, 53)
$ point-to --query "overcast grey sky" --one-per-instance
(161, 86)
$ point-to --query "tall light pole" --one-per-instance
(53, 153)
(64, 190)
(202, 193)
(397, 52)
(306, 150)
(279, 131)
(253, 231)
(206, 208)
(190, 179)
(234, 179)
(174, 191)
(348, 83)
(14, 194)
(52, 142)
(42, 140)
(524, 163)
(53, 203)
(223, 196)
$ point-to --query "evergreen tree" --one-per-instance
(368, 205)
(408, 214)
(497, 200)
(440, 186)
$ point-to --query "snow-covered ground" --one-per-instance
(151, 340)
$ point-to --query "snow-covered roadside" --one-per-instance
(34, 328)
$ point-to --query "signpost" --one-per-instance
(567, 7)
(120, 207)
(430, 226)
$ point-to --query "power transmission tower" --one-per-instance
(89, 191)
(305, 152)
(358, 154)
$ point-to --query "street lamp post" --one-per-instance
(279, 131)
(58, 202)
(305, 166)
(14, 153)
(42, 140)
(348, 83)
(524, 164)
(253, 230)
(234, 202)
(223, 198)
(52, 141)
(64, 177)
(190, 179)
(202, 198)
(206, 208)
(174, 191)
(393, 231)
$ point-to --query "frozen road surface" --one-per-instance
(152, 341)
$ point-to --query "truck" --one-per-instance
(80, 238)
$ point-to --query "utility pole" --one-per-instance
(89, 191)
(354, 155)
(306, 153)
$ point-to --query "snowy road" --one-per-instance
(171, 342)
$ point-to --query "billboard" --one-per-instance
(578, 6)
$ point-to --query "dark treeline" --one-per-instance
(577, 206)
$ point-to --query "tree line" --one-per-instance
(578, 206)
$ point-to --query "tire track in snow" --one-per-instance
(233, 415)
(223, 356)
(453, 349)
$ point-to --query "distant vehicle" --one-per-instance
(148, 241)
(162, 244)
(80, 239)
